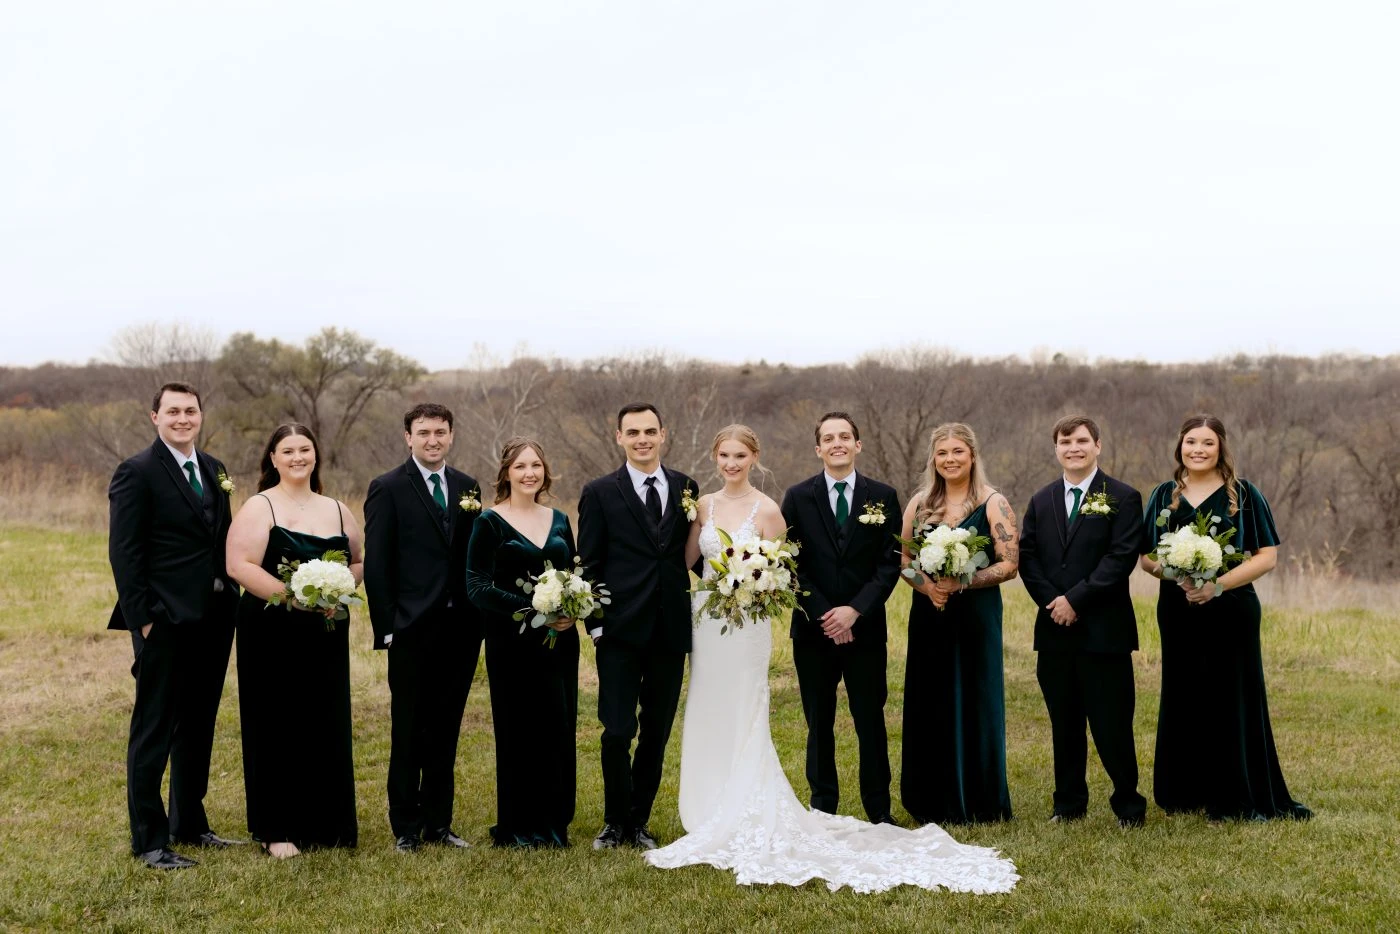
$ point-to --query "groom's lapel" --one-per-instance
(181, 481)
(634, 504)
(822, 501)
(1057, 506)
(674, 487)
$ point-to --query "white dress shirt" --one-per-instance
(831, 493)
(639, 483)
(1082, 487)
(181, 460)
(441, 473)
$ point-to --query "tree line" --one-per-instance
(1319, 436)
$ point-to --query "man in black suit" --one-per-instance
(848, 566)
(169, 516)
(631, 536)
(418, 521)
(1079, 542)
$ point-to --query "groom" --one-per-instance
(416, 534)
(632, 532)
(1075, 562)
(169, 516)
(848, 566)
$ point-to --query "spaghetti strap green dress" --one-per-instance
(294, 706)
(953, 762)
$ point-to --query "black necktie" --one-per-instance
(653, 500)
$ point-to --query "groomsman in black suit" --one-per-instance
(848, 566)
(418, 521)
(632, 531)
(1079, 541)
(169, 516)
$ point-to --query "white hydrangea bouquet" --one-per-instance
(943, 551)
(753, 581)
(557, 594)
(323, 585)
(1197, 552)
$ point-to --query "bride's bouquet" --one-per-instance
(323, 585)
(942, 551)
(557, 594)
(1197, 552)
(756, 580)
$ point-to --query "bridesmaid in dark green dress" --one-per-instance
(534, 687)
(293, 667)
(1215, 745)
(953, 768)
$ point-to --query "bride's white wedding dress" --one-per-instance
(739, 811)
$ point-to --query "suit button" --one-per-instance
(1063, 566)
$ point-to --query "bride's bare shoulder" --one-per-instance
(770, 517)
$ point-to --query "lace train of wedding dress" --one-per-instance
(740, 812)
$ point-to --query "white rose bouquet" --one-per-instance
(757, 580)
(323, 585)
(942, 551)
(557, 594)
(1197, 552)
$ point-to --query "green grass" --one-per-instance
(65, 695)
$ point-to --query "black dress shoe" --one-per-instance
(643, 840)
(164, 858)
(211, 840)
(408, 843)
(610, 837)
(885, 819)
(445, 837)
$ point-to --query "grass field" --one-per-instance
(65, 695)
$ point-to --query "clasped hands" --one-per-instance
(837, 622)
(1199, 595)
(937, 590)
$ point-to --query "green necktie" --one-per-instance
(1074, 512)
(842, 510)
(194, 479)
(438, 497)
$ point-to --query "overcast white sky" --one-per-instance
(800, 181)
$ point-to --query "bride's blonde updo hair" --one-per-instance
(745, 436)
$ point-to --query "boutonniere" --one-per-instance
(688, 505)
(874, 514)
(225, 483)
(470, 501)
(1098, 504)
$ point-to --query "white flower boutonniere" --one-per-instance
(874, 514)
(471, 501)
(1098, 504)
(688, 505)
(225, 483)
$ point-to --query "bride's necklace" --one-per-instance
(732, 496)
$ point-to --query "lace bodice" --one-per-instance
(711, 546)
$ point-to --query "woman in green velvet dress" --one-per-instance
(1215, 745)
(293, 664)
(953, 768)
(534, 685)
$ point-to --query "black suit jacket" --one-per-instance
(857, 566)
(643, 567)
(1088, 562)
(415, 558)
(165, 553)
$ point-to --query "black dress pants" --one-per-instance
(1096, 688)
(431, 665)
(639, 687)
(822, 664)
(179, 671)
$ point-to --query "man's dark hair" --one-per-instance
(176, 387)
(426, 410)
(845, 416)
(1069, 423)
(635, 407)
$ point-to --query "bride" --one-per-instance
(736, 805)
